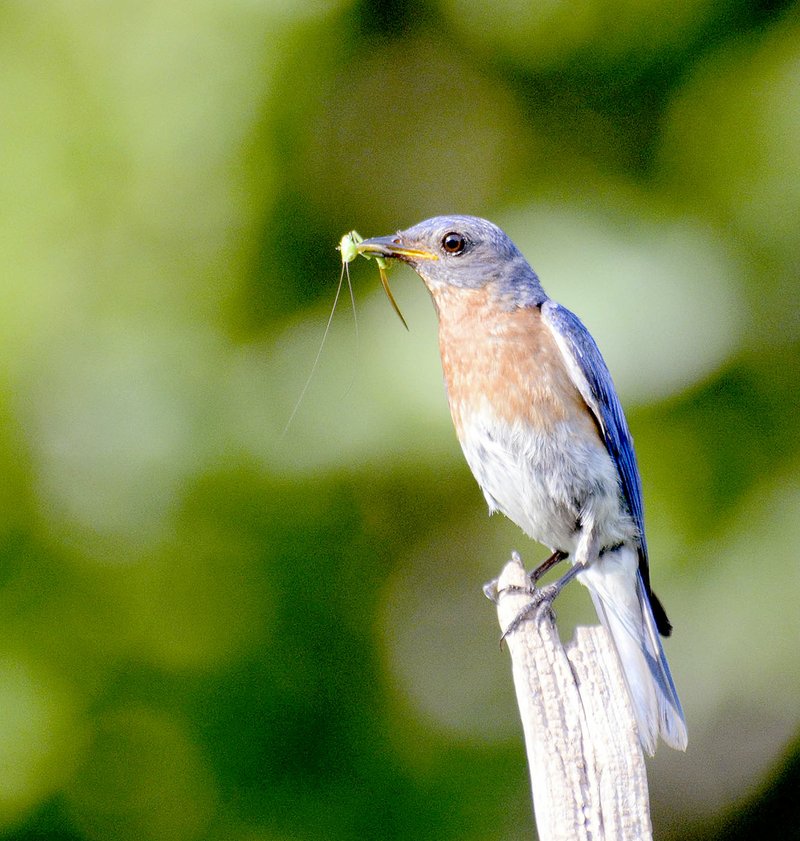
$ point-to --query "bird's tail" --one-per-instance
(628, 617)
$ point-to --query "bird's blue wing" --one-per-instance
(590, 374)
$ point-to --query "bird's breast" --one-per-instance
(505, 363)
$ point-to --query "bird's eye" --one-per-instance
(454, 243)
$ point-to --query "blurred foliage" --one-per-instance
(214, 629)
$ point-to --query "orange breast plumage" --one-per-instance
(505, 362)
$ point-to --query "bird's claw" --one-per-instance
(541, 599)
(491, 591)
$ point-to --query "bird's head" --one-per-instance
(464, 252)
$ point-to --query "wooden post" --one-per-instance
(587, 769)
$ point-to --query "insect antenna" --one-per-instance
(322, 345)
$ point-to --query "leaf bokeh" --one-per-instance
(212, 629)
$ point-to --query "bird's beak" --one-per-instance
(392, 247)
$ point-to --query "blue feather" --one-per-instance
(603, 401)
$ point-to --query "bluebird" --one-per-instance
(543, 431)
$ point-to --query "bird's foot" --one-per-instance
(491, 591)
(541, 598)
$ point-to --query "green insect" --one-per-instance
(348, 246)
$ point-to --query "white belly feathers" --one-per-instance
(549, 482)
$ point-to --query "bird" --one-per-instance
(545, 436)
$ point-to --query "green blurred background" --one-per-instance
(210, 630)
